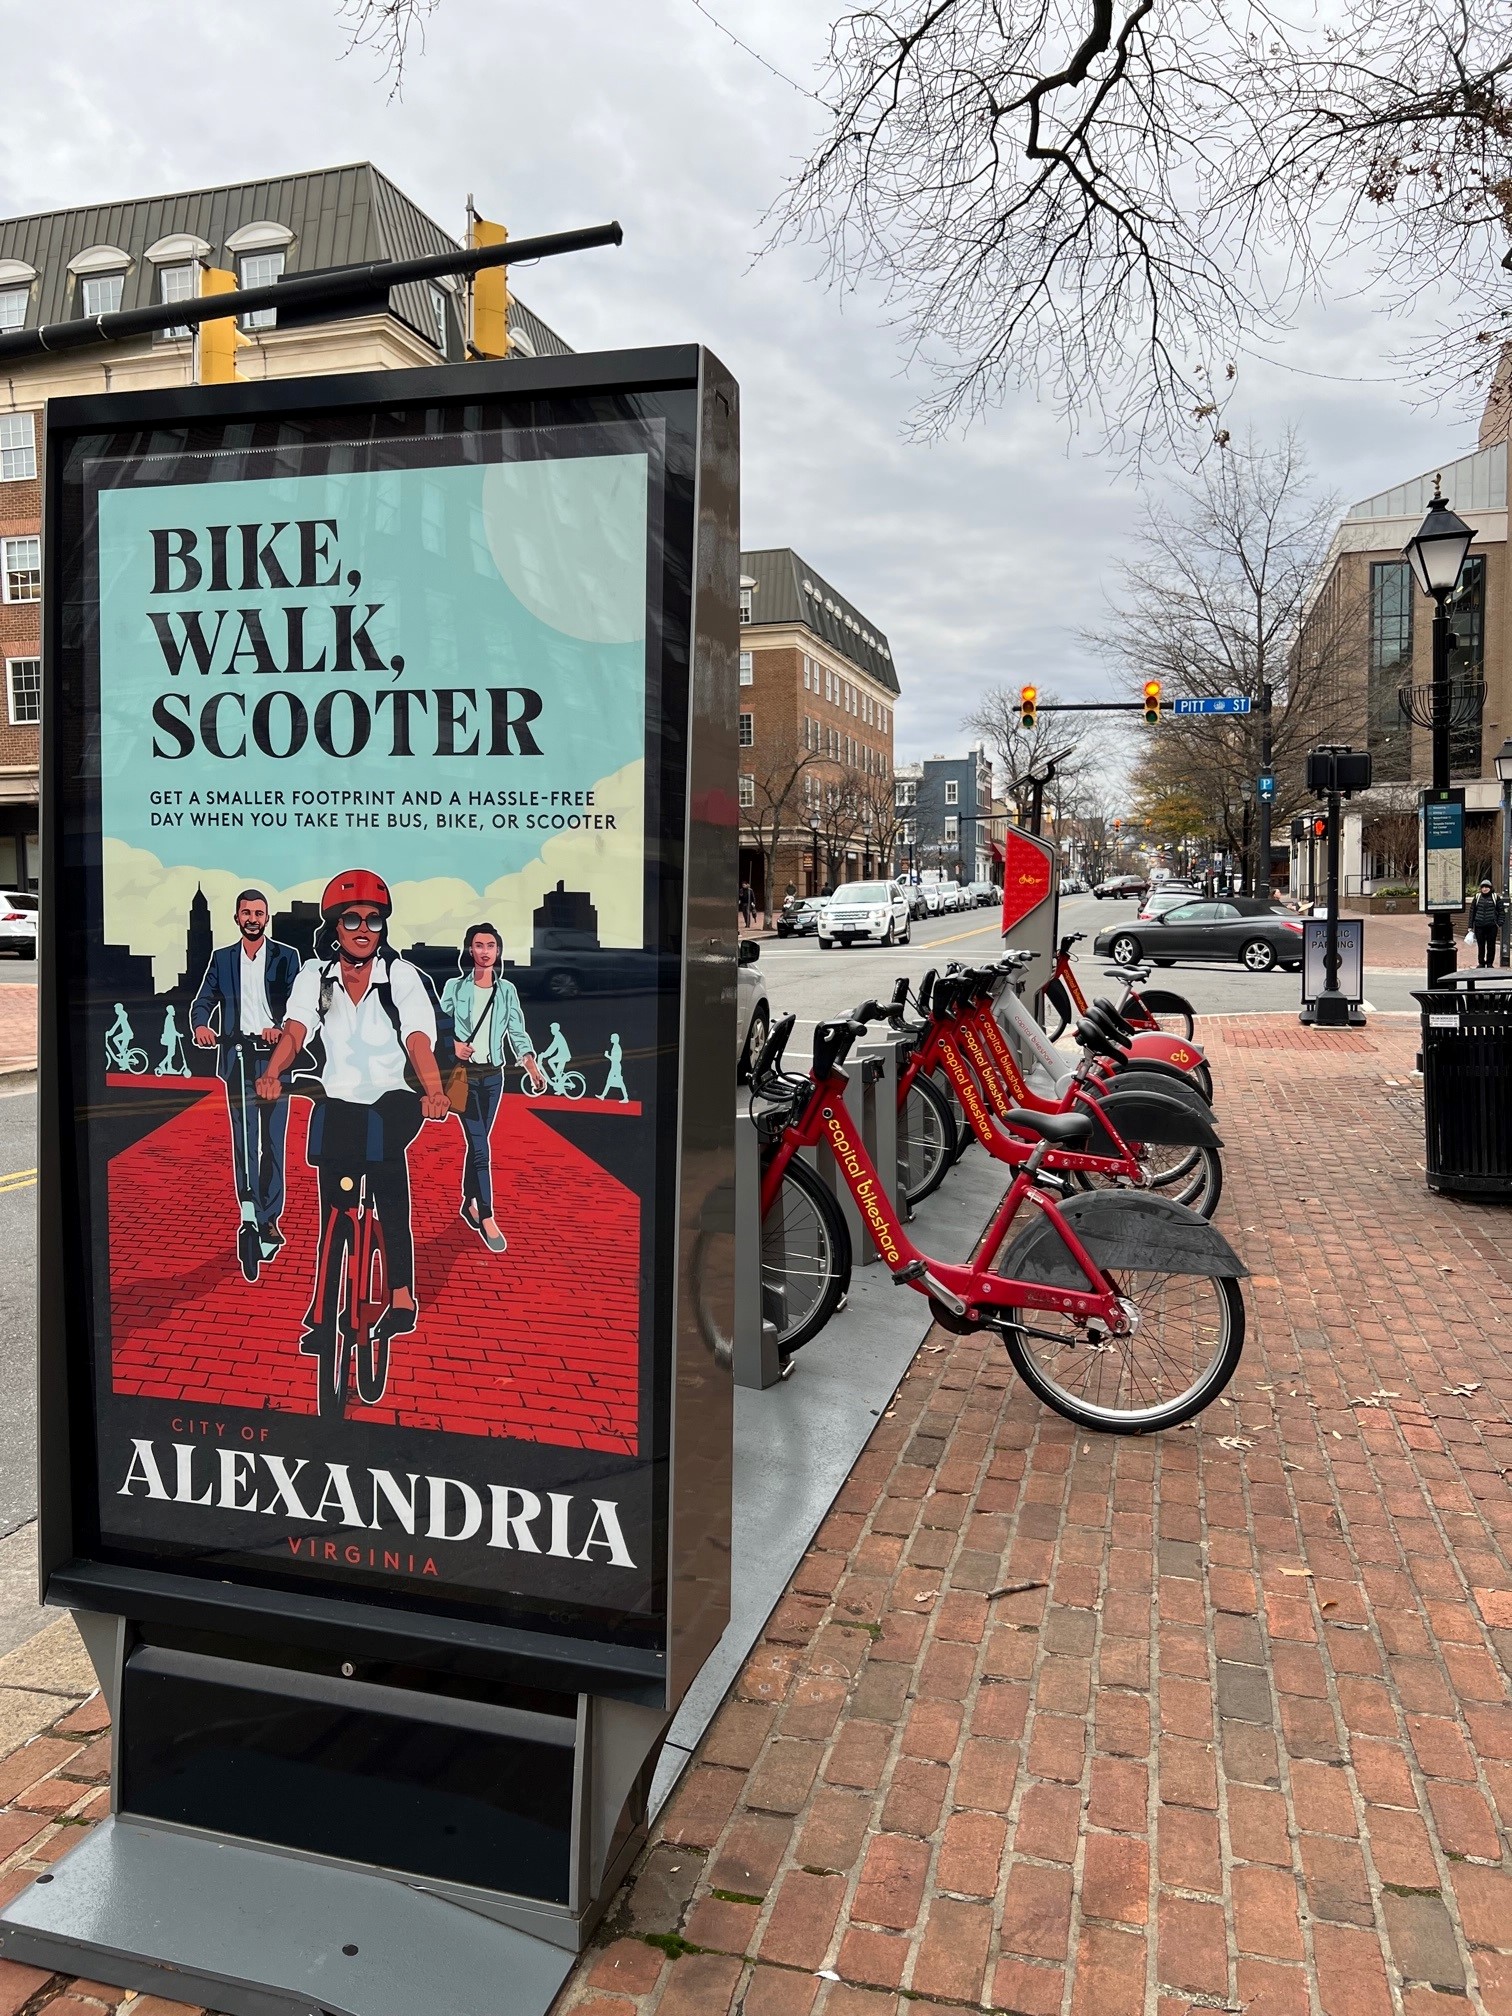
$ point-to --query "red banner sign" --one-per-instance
(1027, 870)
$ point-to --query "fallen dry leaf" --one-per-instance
(1016, 1589)
(1235, 1442)
(925, 1595)
(1464, 1392)
(1329, 1603)
(1300, 1572)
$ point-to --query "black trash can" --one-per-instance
(1467, 1084)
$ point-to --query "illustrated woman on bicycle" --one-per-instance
(368, 1018)
(489, 1032)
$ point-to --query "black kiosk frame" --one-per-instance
(351, 1790)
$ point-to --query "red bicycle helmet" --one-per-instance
(356, 885)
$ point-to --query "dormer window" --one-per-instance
(178, 259)
(178, 283)
(16, 279)
(101, 275)
(261, 254)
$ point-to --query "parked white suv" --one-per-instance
(874, 912)
(18, 923)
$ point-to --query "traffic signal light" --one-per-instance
(1152, 702)
(1320, 826)
(217, 342)
(1118, 825)
(490, 296)
(1028, 700)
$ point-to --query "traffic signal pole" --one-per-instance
(1264, 842)
(344, 290)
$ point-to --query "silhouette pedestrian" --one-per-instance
(615, 1082)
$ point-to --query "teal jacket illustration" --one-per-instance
(502, 1037)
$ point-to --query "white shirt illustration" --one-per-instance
(364, 1057)
(256, 1015)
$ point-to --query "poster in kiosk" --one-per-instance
(387, 1011)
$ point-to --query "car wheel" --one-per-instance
(1258, 956)
(825, 944)
(562, 986)
(907, 938)
(889, 937)
(1165, 962)
(756, 1037)
(1124, 951)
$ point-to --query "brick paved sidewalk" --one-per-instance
(1247, 1742)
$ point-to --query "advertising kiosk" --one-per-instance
(388, 981)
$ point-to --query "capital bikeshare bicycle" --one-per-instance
(957, 1010)
(1141, 1007)
(1118, 1308)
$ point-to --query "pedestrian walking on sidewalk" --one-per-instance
(747, 905)
(1486, 914)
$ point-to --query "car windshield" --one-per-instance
(864, 892)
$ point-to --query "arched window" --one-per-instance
(100, 273)
(261, 254)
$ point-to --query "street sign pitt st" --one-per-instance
(1219, 703)
(387, 839)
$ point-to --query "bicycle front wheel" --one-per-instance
(1183, 1350)
(574, 1084)
(805, 1258)
(926, 1141)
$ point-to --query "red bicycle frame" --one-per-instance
(826, 1118)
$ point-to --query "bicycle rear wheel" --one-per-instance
(926, 1141)
(1183, 1352)
(1190, 1176)
(805, 1258)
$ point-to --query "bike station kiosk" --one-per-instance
(388, 1677)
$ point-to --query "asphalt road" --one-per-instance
(811, 984)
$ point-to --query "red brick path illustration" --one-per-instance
(538, 1343)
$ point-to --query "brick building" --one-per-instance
(817, 693)
(63, 264)
(1379, 624)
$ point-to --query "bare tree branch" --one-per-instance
(1106, 200)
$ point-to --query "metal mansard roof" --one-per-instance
(337, 217)
(788, 590)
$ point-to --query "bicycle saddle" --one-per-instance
(1127, 974)
(1060, 1127)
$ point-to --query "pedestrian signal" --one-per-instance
(1152, 702)
(1028, 701)
(1320, 826)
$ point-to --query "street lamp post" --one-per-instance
(1436, 554)
(1504, 773)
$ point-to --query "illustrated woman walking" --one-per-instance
(488, 1033)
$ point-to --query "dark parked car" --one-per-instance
(1123, 885)
(1257, 934)
(802, 921)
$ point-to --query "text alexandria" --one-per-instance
(430, 1508)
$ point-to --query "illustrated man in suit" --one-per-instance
(246, 987)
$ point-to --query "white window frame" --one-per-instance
(747, 791)
(13, 293)
(18, 447)
(747, 736)
(170, 288)
(12, 667)
(275, 258)
(952, 832)
(32, 539)
(91, 299)
(747, 669)
(439, 317)
(745, 604)
(952, 791)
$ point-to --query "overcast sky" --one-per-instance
(981, 557)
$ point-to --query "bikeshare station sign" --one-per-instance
(388, 843)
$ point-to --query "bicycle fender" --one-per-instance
(1161, 1001)
(1163, 1078)
(1153, 1046)
(1155, 1116)
(1122, 1230)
